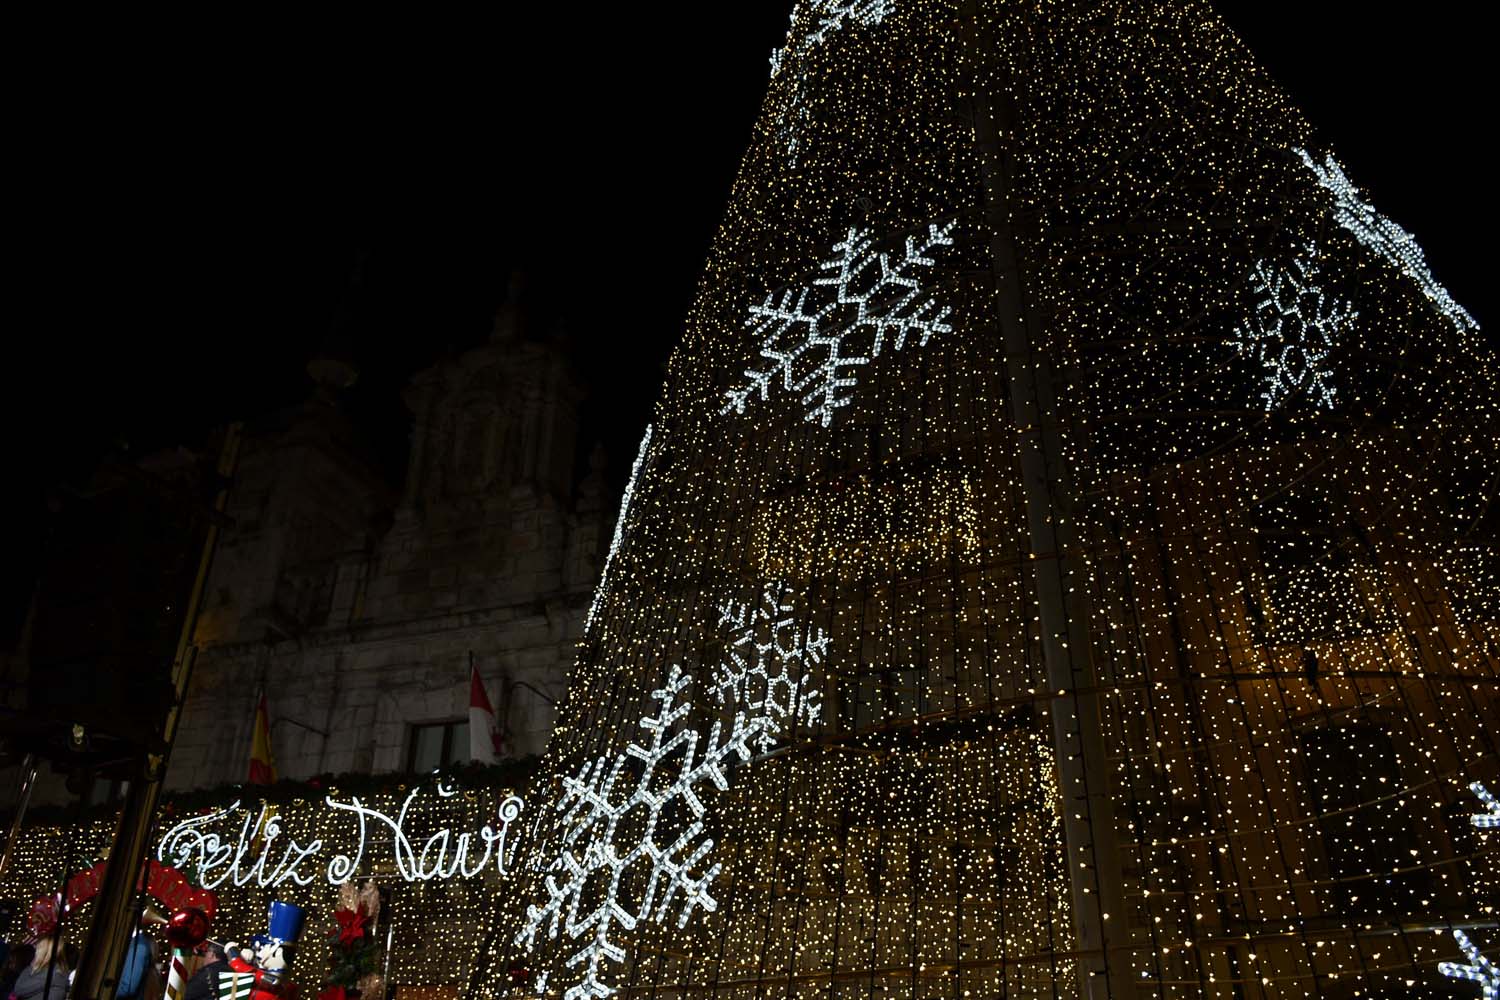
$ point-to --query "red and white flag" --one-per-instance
(484, 735)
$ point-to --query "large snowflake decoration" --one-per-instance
(607, 835)
(1479, 969)
(1293, 330)
(812, 342)
(769, 658)
(1384, 237)
(832, 16)
(1490, 818)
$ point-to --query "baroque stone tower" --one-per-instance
(357, 611)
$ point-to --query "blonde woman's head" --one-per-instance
(44, 954)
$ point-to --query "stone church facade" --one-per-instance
(358, 612)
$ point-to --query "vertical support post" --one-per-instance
(388, 918)
(1094, 872)
(29, 766)
(114, 909)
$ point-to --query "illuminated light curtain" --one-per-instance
(1061, 564)
(435, 922)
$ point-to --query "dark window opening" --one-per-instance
(436, 745)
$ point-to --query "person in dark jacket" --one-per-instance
(8, 969)
(8, 909)
(139, 979)
(205, 982)
(43, 979)
(16, 960)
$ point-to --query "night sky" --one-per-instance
(200, 209)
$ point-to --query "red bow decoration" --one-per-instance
(353, 925)
(43, 918)
(333, 993)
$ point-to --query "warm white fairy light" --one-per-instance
(1075, 476)
(1490, 818)
(437, 943)
(770, 655)
(1279, 774)
(260, 855)
(592, 814)
(794, 122)
(812, 341)
(1293, 331)
(832, 16)
(614, 542)
(778, 56)
(1478, 970)
(1383, 236)
(432, 860)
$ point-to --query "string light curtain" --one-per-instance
(434, 922)
(1074, 499)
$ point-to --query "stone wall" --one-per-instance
(358, 614)
(366, 689)
(357, 607)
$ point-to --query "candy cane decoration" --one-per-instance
(187, 929)
(177, 979)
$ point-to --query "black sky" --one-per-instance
(199, 194)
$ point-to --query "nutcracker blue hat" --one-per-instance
(286, 922)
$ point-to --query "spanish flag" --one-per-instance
(262, 765)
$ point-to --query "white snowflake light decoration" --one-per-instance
(614, 543)
(790, 127)
(1490, 818)
(778, 56)
(767, 671)
(591, 858)
(1293, 330)
(1384, 237)
(812, 341)
(832, 16)
(1480, 969)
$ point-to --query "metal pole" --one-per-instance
(115, 914)
(387, 899)
(29, 765)
(1094, 873)
(62, 906)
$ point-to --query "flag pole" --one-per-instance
(114, 913)
(260, 694)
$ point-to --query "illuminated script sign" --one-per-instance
(259, 853)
